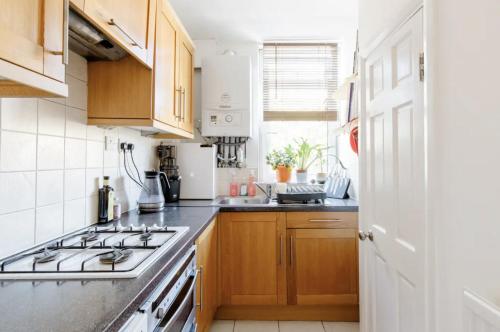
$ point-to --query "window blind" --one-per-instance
(299, 82)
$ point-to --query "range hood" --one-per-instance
(87, 41)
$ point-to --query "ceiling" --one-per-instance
(261, 20)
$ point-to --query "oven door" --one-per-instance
(181, 317)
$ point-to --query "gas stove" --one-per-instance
(94, 252)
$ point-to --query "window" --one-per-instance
(299, 81)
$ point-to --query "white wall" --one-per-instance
(51, 163)
(376, 17)
(465, 152)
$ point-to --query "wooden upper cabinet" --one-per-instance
(165, 69)
(186, 72)
(33, 47)
(252, 258)
(322, 266)
(128, 22)
(206, 246)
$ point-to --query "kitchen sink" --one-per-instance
(242, 201)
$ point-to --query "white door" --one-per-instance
(393, 290)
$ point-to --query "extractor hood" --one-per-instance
(87, 41)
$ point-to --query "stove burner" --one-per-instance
(45, 256)
(115, 256)
(146, 236)
(89, 236)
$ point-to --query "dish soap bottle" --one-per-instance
(233, 187)
(251, 187)
(106, 200)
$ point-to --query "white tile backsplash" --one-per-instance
(19, 114)
(51, 118)
(76, 123)
(48, 183)
(95, 154)
(74, 215)
(17, 191)
(18, 231)
(17, 151)
(75, 151)
(77, 93)
(49, 222)
(50, 187)
(74, 184)
(50, 152)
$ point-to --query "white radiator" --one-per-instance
(479, 314)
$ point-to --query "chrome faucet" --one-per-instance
(267, 189)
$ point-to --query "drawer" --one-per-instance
(322, 220)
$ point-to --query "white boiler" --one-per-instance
(226, 96)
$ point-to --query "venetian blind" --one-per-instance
(299, 82)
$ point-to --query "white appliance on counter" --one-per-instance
(197, 165)
(226, 96)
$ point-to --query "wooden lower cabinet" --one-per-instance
(288, 266)
(323, 266)
(252, 258)
(207, 277)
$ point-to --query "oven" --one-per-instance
(171, 307)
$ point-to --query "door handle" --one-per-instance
(365, 235)
(291, 250)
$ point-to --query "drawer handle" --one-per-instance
(324, 220)
(133, 42)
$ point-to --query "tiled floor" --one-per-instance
(281, 326)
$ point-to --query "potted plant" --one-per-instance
(282, 162)
(321, 176)
(307, 154)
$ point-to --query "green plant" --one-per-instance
(321, 158)
(285, 157)
(307, 153)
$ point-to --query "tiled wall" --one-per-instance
(51, 164)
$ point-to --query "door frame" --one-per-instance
(430, 186)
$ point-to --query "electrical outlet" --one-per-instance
(123, 146)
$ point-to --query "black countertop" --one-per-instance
(97, 305)
(331, 205)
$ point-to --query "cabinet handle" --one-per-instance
(324, 220)
(183, 114)
(66, 32)
(133, 42)
(281, 249)
(291, 250)
(179, 90)
(64, 51)
(200, 274)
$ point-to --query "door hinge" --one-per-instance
(421, 66)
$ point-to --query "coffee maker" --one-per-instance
(171, 186)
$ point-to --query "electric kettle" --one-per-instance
(151, 198)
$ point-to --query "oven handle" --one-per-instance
(190, 292)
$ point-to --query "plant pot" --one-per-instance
(283, 174)
(301, 176)
(321, 177)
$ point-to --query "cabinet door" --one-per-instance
(126, 21)
(21, 33)
(55, 12)
(186, 84)
(165, 69)
(322, 266)
(252, 258)
(207, 269)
